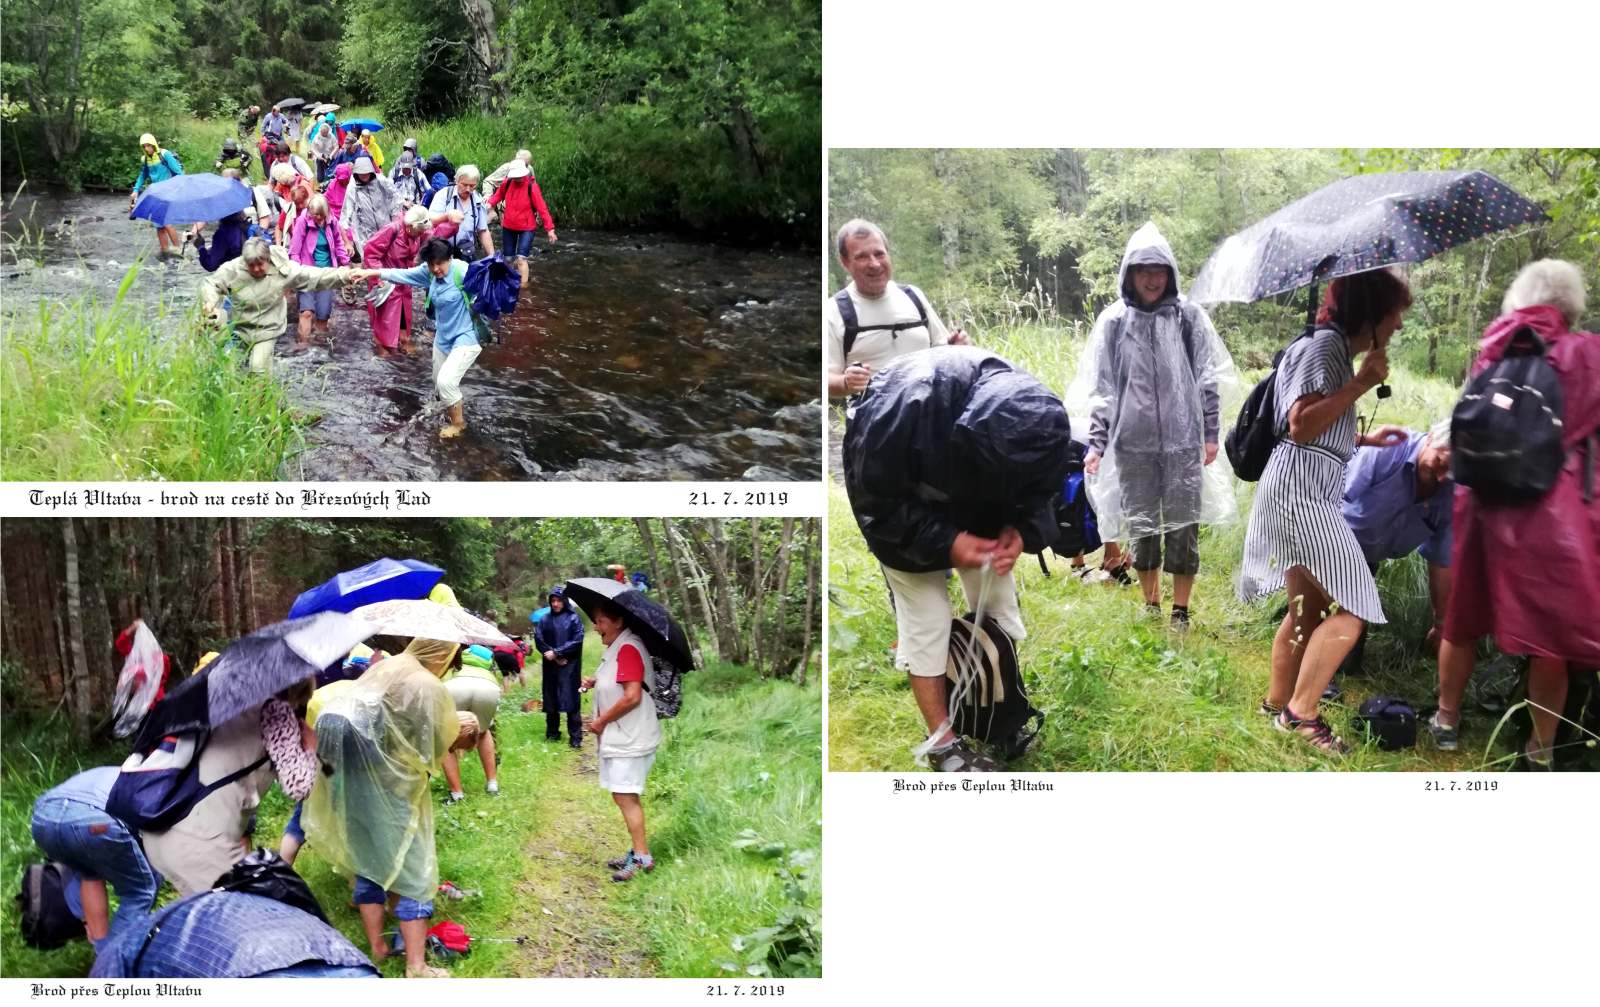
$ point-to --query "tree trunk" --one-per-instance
(77, 692)
(676, 544)
(758, 597)
(486, 53)
(949, 219)
(643, 524)
(811, 597)
(781, 634)
(730, 643)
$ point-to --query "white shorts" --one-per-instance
(625, 774)
(922, 615)
(477, 696)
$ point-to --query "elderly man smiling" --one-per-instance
(872, 321)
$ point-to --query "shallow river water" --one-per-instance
(630, 356)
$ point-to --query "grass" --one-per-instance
(1124, 693)
(110, 392)
(744, 754)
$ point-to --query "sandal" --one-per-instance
(633, 866)
(619, 863)
(1120, 573)
(960, 757)
(1315, 730)
(1267, 709)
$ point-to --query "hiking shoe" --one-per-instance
(1152, 610)
(454, 798)
(960, 757)
(1266, 709)
(492, 787)
(618, 863)
(577, 742)
(1315, 730)
(1180, 617)
(635, 865)
(1445, 738)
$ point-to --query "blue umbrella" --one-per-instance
(191, 199)
(383, 580)
(372, 124)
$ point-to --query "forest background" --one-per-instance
(691, 115)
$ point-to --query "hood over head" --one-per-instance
(1007, 445)
(1147, 247)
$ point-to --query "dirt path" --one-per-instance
(573, 925)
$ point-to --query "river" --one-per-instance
(630, 356)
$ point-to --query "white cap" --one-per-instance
(518, 170)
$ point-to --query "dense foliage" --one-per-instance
(683, 114)
(1005, 235)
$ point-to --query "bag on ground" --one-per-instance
(985, 683)
(47, 922)
(1391, 722)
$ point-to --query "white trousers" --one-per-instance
(449, 370)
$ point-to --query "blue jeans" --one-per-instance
(294, 828)
(369, 893)
(515, 243)
(98, 847)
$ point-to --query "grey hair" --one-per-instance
(283, 173)
(1548, 281)
(416, 215)
(858, 228)
(255, 250)
(318, 204)
(526, 156)
(1439, 434)
(468, 171)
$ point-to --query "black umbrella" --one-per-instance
(1357, 224)
(660, 631)
(251, 670)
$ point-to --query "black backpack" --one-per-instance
(1255, 432)
(994, 707)
(1505, 432)
(263, 872)
(853, 326)
(665, 687)
(437, 162)
(1391, 722)
(47, 923)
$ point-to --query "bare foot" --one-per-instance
(383, 351)
(452, 430)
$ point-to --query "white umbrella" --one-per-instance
(429, 620)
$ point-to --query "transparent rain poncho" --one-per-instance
(139, 681)
(381, 736)
(1153, 379)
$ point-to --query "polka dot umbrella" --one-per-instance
(1360, 223)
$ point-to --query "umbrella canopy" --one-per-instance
(1357, 224)
(251, 670)
(284, 104)
(324, 108)
(381, 580)
(659, 630)
(372, 124)
(190, 199)
(429, 620)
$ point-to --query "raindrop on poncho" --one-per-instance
(1153, 379)
(382, 735)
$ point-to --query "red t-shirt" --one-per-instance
(630, 666)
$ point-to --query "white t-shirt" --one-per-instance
(636, 733)
(877, 347)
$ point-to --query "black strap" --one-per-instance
(852, 323)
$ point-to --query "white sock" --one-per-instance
(493, 786)
(457, 794)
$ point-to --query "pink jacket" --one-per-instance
(303, 241)
(1525, 573)
(337, 189)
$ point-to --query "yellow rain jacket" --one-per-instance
(382, 734)
(374, 151)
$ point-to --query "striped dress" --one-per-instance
(1296, 519)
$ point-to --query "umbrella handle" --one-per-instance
(1384, 391)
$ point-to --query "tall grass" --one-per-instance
(1123, 692)
(131, 392)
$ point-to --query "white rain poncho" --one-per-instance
(379, 738)
(139, 682)
(1152, 379)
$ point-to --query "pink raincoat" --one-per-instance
(1530, 575)
(303, 241)
(337, 189)
(394, 247)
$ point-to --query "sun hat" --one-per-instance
(519, 170)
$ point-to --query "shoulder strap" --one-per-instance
(847, 311)
(922, 312)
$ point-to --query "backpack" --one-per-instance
(1390, 721)
(47, 922)
(1505, 432)
(665, 687)
(158, 788)
(1077, 530)
(262, 872)
(493, 284)
(853, 326)
(481, 327)
(993, 707)
(1255, 432)
(436, 163)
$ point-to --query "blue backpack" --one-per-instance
(492, 284)
(158, 788)
(1077, 531)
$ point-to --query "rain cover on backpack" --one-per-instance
(493, 284)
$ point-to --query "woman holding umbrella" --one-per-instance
(1297, 536)
(625, 727)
